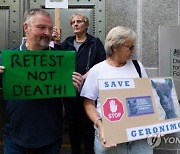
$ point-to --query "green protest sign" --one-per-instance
(37, 74)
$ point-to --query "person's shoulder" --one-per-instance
(57, 46)
(91, 37)
(94, 39)
(97, 69)
(99, 65)
(69, 38)
(16, 48)
(131, 62)
(140, 64)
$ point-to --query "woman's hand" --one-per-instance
(101, 132)
(56, 36)
(85, 76)
(101, 135)
(77, 80)
(2, 69)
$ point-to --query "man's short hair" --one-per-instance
(29, 13)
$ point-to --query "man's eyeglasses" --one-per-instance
(130, 47)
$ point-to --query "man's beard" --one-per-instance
(44, 41)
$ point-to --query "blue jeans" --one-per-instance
(12, 148)
(99, 149)
(135, 147)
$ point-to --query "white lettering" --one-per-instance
(166, 139)
(114, 115)
(161, 128)
(116, 84)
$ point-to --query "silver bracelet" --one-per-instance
(95, 123)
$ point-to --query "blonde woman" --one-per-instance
(89, 51)
(119, 46)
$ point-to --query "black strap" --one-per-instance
(138, 69)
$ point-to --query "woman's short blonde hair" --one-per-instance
(82, 16)
(116, 38)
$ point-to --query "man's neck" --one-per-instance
(33, 47)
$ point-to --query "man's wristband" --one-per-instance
(95, 123)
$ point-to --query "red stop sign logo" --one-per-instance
(113, 109)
